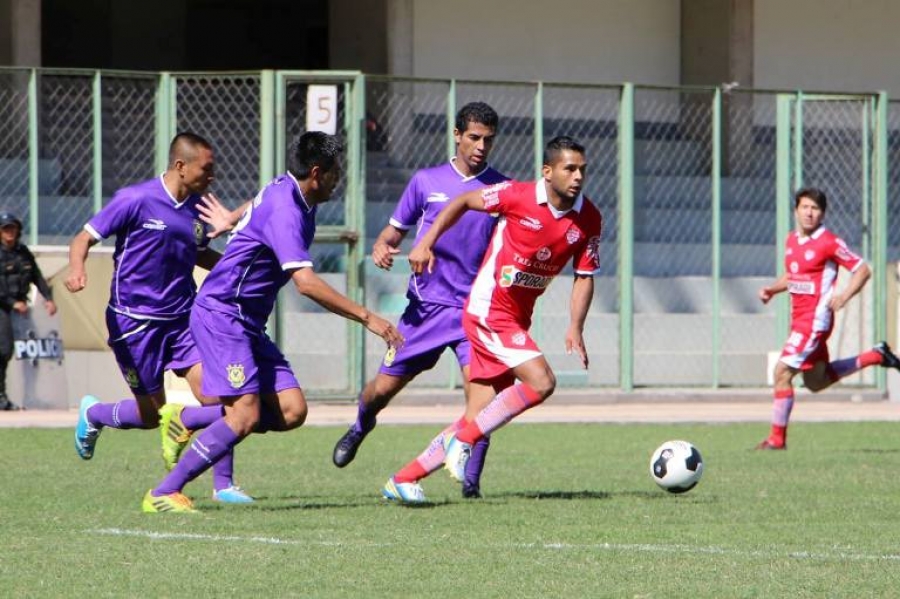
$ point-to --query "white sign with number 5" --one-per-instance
(321, 108)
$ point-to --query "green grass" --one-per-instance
(570, 511)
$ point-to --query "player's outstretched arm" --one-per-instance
(769, 291)
(76, 280)
(217, 216)
(580, 303)
(859, 279)
(387, 246)
(312, 286)
(421, 257)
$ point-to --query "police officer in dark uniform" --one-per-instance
(18, 271)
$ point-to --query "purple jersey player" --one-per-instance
(159, 239)
(242, 366)
(432, 322)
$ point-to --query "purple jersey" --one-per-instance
(271, 240)
(460, 249)
(157, 239)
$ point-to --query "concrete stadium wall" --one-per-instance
(596, 41)
(831, 45)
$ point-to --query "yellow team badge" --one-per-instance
(389, 355)
(131, 377)
(199, 232)
(236, 375)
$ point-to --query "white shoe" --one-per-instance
(403, 492)
(456, 457)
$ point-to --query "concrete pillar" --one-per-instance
(360, 42)
(717, 49)
(400, 38)
(20, 33)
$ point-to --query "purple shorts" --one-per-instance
(429, 329)
(237, 359)
(145, 349)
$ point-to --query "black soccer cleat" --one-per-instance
(888, 358)
(346, 447)
(471, 491)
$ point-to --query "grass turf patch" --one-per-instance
(569, 510)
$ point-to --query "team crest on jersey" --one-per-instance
(794, 267)
(199, 232)
(131, 377)
(573, 235)
(543, 254)
(390, 355)
(236, 375)
(519, 339)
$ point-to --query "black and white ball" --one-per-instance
(676, 466)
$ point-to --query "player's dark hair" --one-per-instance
(476, 112)
(184, 146)
(813, 193)
(313, 148)
(559, 144)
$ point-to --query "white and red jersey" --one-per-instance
(811, 264)
(532, 243)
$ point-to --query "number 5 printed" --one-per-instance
(321, 108)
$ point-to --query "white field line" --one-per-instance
(837, 555)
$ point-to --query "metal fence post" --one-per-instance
(164, 116)
(356, 221)
(880, 233)
(783, 186)
(267, 127)
(451, 119)
(97, 101)
(626, 238)
(33, 170)
(716, 180)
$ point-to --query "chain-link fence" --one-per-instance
(702, 188)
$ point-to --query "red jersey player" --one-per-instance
(543, 225)
(813, 255)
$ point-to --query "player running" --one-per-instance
(543, 226)
(812, 257)
(159, 240)
(242, 366)
(432, 321)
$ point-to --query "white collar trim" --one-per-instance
(466, 179)
(541, 192)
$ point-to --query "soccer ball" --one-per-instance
(676, 466)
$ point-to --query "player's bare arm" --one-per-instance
(217, 216)
(769, 291)
(315, 288)
(421, 256)
(580, 303)
(859, 279)
(386, 246)
(76, 280)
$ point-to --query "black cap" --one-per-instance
(8, 218)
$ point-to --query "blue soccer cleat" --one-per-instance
(411, 493)
(86, 433)
(232, 494)
(456, 457)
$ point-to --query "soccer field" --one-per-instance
(570, 511)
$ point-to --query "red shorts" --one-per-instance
(803, 349)
(497, 349)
